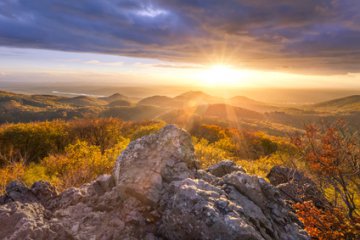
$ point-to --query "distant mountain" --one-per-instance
(160, 101)
(8, 99)
(46, 98)
(188, 99)
(82, 101)
(135, 113)
(245, 102)
(214, 112)
(194, 98)
(228, 112)
(119, 103)
(193, 95)
(114, 97)
(182, 109)
(350, 103)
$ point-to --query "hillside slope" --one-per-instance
(82, 101)
(160, 101)
(196, 98)
(350, 103)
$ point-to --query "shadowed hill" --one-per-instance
(350, 103)
(19, 102)
(228, 112)
(135, 113)
(214, 112)
(119, 103)
(180, 109)
(188, 99)
(114, 97)
(83, 101)
(196, 98)
(160, 101)
(192, 95)
(245, 102)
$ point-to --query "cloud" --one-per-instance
(180, 66)
(300, 36)
(99, 63)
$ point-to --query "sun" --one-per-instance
(219, 75)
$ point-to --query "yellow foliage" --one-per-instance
(263, 165)
(33, 173)
(31, 141)
(81, 163)
(208, 154)
(14, 171)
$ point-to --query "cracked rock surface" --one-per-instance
(155, 192)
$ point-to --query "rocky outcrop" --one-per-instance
(149, 163)
(155, 192)
(224, 167)
(296, 187)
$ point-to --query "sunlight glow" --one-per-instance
(222, 75)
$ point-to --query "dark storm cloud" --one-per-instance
(304, 35)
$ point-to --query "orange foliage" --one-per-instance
(327, 224)
(332, 154)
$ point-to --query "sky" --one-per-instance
(234, 43)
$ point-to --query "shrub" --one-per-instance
(330, 224)
(207, 153)
(332, 155)
(32, 141)
(14, 171)
(80, 163)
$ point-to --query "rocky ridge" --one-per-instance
(155, 192)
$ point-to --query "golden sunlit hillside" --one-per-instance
(180, 120)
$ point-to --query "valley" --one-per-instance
(184, 109)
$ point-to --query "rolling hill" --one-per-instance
(83, 101)
(196, 98)
(114, 97)
(182, 109)
(350, 103)
(21, 101)
(135, 113)
(119, 103)
(245, 102)
(160, 101)
(215, 112)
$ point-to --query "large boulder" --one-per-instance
(155, 192)
(295, 186)
(154, 160)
